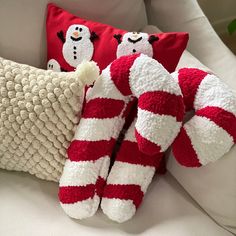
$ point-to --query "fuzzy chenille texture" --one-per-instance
(39, 111)
(211, 132)
(159, 118)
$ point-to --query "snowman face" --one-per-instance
(134, 42)
(135, 37)
(76, 33)
(53, 65)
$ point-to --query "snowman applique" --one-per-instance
(135, 42)
(54, 65)
(78, 44)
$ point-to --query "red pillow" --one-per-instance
(71, 39)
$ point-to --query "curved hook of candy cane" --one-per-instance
(212, 130)
(160, 105)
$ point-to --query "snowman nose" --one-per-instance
(76, 34)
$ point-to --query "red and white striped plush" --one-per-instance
(212, 130)
(132, 171)
(159, 118)
(129, 178)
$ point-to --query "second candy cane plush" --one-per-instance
(211, 132)
(160, 114)
(203, 139)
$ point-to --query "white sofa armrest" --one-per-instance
(204, 43)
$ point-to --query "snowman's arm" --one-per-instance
(152, 39)
(60, 35)
(117, 37)
(93, 36)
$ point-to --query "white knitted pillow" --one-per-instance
(39, 111)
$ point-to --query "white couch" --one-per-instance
(29, 206)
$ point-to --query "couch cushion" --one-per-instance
(22, 24)
(40, 110)
(29, 206)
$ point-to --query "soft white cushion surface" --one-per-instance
(29, 206)
(212, 186)
(22, 23)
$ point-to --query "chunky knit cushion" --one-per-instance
(39, 112)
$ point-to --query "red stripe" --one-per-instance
(73, 194)
(221, 117)
(131, 110)
(103, 108)
(120, 73)
(89, 150)
(189, 81)
(147, 146)
(183, 150)
(130, 153)
(100, 186)
(163, 103)
(124, 192)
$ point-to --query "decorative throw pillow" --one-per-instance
(71, 39)
(39, 111)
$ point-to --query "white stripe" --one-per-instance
(130, 134)
(83, 209)
(82, 173)
(147, 74)
(104, 87)
(126, 173)
(93, 129)
(209, 141)
(159, 129)
(175, 76)
(117, 209)
(213, 92)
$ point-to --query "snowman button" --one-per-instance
(75, 57)
(74, 47)
(134, 50)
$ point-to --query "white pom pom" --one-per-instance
(88, 71)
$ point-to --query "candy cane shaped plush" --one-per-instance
(128, 179)
(132, 171)
(160, 113)
(212, 130)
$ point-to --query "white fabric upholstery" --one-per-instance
(204, 43)
(29, 206)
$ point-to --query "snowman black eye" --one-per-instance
(76, 28)
(52, 66)
(80, 29)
